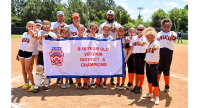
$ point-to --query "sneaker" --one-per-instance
(67, 85)
(45, 87)
(70, 80)
(112, 81)
(97, 86)
(25, 86)
(31, 88)
(121, 87)
(148, 95)
(79, 86)
(129, 85)
(134, 89)
(93, 85)
(85, 86)
(156, 100)
(36, 89)
(104, 86)
(63, 86)
(166, 88)
(117, 86)
(138, 90)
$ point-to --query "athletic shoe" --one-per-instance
(148, 95)
(134, 89)
(31, 88)
(112, 81)
(25, 86)
(97, 86)
(129, 85)
(93, 85)
(70, 80)
(104, 86)
(63, 86)
(156, 100)
(121, 87)
(45, 87)
(67, 85)
(117, 86)
(36, 90)
(79, 86)
(138, 90)
(85, 86)
(166, 88)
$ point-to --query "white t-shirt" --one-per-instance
(54, 25)
(73, 29)
(165, 39)
(124, 50)
(101, 36)
(113, 34)
(27, 42)
(79, 36)
(151, 55)
(138, 48)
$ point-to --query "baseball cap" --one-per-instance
(60, 12)
(75, 15)
(110, 12)
(38, 22)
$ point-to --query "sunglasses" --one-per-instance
(139, 29)
(46, 25)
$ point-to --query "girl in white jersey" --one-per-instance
(138, 48)
(105, 35)
(152, 60)
(166, 39)
(25, 54)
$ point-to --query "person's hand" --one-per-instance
(45, 35)
(31, 32)
(139, 43)
(59, 36)
(17, 57)
(155, 47)
(71, 36)
(114, 28)
(126, 60)
(143, 43)
(172, 36)
(62, 25)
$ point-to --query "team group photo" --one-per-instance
(95, 53)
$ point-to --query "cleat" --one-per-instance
(166, 88)
(134, 89)
(63, 86)
(104, 86)
(45, 88)
(25, 86)
(79, 86)
(93, 85)
(85, 86)
(36, 90)
(121, 87)
(148, 95)
(156, 100)
(117, 86)
(67, 85)
(31, 88)
(129, 85)
(138, 90)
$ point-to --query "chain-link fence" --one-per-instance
(18, 30)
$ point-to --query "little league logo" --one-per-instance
(56, 56)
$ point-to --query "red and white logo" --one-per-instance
(56, 56)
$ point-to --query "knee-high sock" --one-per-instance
(105, 79)
(137, 79)
(118, 80)
(132, 78)
(79, 80)
(166, 79)
(85, 80)
(156, 89)
(150, 88)
(98, 81)
(141, 80)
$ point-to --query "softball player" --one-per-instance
(152, 60)
(40, 67)
(25, 54)
(131, 72)
(139, 50)
(105, 35)
(121, 33)
(166, 39)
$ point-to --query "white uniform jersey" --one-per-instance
(151, 55)
(165, 39)
(111, 32)
(27, 42)
(96, 34)
(130, 39)
(138, 48)
(41, 33)
(124, 50)
(79, 36)
(101, 36)
(73, 29)
(54, 25)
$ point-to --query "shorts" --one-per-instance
(130, 64)
(25, 54)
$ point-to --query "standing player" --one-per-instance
(166, 39)
(152, 60)
(105, 35)
(114, 29)
(138, 48)
(40, 67)
(180, 36)
(25, 54)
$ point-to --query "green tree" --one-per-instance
(184, 20)
(174, 15)
(124, 18)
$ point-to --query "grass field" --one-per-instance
(185, 42)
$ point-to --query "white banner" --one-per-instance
(83, 57)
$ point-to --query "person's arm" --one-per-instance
(129, 53)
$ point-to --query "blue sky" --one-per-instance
(149, 6)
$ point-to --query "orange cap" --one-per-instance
(75, 15)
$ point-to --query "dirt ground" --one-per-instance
(106, 98)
